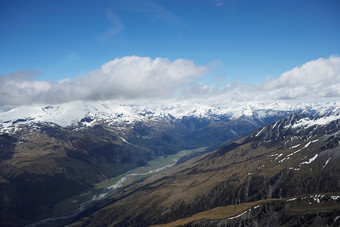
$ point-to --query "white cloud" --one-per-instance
(132, 79)
(123, 78)
(139, 77)
(315, 79)
(20, 88)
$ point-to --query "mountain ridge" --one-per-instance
(256, 213)
(276, 161)
(72, 113)
(99, 145)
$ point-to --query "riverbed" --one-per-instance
(72, 206)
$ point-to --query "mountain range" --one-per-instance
(272, 156)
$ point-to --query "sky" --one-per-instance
(60, 51)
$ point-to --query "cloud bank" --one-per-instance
(135, 78)
(123, 78)
(315, 79)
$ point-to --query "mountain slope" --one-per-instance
(294, 156)
(50, 153)
(307, 210)
(54, 152)
(47, 164)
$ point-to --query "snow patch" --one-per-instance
(307, 162)
(289, 155)
(326, 163)
(124, 140)
(335, 197)
(293, 147)
(278, 156)
(238, 215)
(259, 132)
(255, 207)
(307, 122)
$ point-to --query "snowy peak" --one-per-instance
(308, 122)
(310, 118)
(276, 161)
(301, 137)
(112, 113)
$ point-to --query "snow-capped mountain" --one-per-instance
(112, 113)
(276, 176)
(49, 153)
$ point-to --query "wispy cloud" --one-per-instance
(152, 10)
(115, 28)
(156, 14)
(71, 57)
(218, 3)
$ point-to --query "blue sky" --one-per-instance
(242, 41)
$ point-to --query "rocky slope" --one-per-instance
(295, 156)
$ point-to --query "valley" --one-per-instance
(161, 113)
(141, 167)
(65, 210)
(248, 170)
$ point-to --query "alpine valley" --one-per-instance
(250, 164)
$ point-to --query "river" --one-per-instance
(154, 166)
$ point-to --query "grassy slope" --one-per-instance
(297, 205)
(216, 213)
(246, 172)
